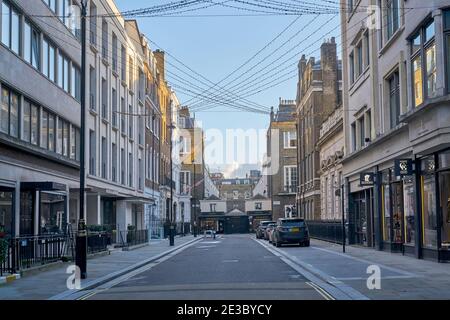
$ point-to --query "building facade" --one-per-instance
(318, 95)
(282, 150)
(39, 118)
(397, 128)
(331, 153)
(115, 135)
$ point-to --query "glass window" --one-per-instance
(6, 211)
(386, 213)
(27, 42)
(394, 99)
(35, 49)
(51, 63)
(66, 75)
(431, 70)
(392, 17)
(429, 32)
(45, 58)
(51, 132)
(44, 130)
(15, 32)
(417, 78)
(34, 124)
(444, 181)
(14, 116)
(444, 160)
(73, 148)
(352, 68)
(59, 137)
(6, 18)
(429, 223)
(4, 111)
(60, 70)
(447, 55)
(416, 43)
(26, 121)
(66, 139)
(77, 144)
(26, 213)
(52, 213)
(410, 210)
(76, 83)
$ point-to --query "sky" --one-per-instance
(215, 46)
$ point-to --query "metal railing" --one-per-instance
(99, 241)
(133, 237)
(27, 252)
(326, 230)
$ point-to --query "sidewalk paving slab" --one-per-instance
(51, 283)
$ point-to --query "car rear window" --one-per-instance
(293, 223)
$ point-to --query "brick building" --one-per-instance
(318, 95)
(282, 152)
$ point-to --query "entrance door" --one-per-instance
(6, 211)
(109, 214)
(397, 214)
(360, 218)
(444, 181)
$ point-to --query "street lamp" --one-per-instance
(81, 238)
(171, 222)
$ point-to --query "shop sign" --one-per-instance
(403, 167)
(367, 179)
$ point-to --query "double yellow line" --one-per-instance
(321, 291)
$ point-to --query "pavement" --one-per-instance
(240, 267)
(401, 277)
(52, 283)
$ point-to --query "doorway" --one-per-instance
(444, 181)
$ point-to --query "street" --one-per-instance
(228, 267)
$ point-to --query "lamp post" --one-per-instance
(81, 238)
(171, 222)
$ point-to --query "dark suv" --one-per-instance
(261, 228)
(291, 230)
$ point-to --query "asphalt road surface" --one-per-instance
(231, 267)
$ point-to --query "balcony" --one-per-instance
(291, 189)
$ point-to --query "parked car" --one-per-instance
(210, 234)
(261, 228)
(291, 230)
(270, 227)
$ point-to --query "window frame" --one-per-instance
(425, 44)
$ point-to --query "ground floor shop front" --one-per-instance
(224, 224)
(403, 213)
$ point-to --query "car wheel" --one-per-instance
(300, 244)
(307, 243)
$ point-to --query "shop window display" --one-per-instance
(410, 210)
(429, 221)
